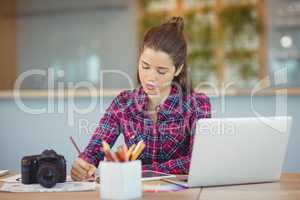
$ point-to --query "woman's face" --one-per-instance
(156, 71)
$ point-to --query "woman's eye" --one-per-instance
(145, 67)
(162, 71)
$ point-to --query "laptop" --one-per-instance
(228, 151)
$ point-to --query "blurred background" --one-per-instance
(239, 44)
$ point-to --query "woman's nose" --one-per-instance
(152, 74)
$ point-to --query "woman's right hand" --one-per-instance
(82, 170)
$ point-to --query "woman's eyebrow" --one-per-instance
(144, 62)
(160, 67)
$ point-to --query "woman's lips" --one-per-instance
(150, 86)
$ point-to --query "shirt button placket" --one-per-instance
(154, 142)
(156, 136)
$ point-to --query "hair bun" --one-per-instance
(178, 21)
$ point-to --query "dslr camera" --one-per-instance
(47, 169)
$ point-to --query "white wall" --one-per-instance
(49, 34)
(22, 133)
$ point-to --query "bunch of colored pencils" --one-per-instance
(123, 154)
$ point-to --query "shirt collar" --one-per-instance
(169, 105)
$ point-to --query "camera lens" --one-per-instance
(47, 175)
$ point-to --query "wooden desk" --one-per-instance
(288, 188)
(94, 195)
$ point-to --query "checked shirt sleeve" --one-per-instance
(107, 130)
(181, 165)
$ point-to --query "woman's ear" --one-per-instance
(178, 70)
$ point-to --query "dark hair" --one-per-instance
(169, 38)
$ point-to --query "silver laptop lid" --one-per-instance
(238, 150)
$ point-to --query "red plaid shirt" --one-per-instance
(168, 141)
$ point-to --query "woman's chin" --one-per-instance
(151, 91)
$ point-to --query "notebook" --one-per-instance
(3, 172)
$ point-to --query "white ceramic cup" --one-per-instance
(121, 180)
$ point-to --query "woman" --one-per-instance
(162, 112)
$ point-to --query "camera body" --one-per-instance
(47, 168)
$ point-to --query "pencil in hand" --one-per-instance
(75, 145)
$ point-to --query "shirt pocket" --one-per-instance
(172, 135)
(132, 131)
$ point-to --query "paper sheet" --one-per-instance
(164, 187)
(17, 178)
(14, 184)
(59, 187)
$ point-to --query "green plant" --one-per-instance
(149, 21)
(240, 27)
(238, 30)
(201, 42)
